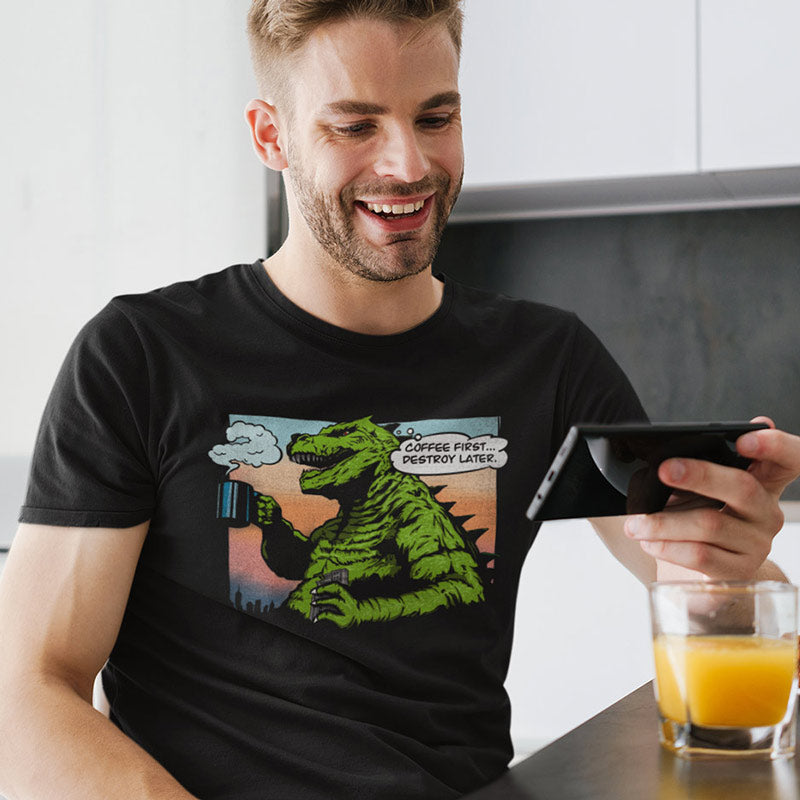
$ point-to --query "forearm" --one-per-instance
(62, 747)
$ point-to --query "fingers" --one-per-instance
(332, 616)
(705, 540)
(732, 542)
(740, 490)
(715, 563)
(776, 463)
(729, 543)
(332, 600)
(329, 593)
(776, 456)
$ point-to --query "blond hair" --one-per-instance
(278, 28)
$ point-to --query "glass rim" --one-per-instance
(753, 587)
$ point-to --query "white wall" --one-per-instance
(126, 165)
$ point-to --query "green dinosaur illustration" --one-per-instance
(392, 550)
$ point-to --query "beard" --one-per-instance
(331, 221)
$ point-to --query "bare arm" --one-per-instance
(628, 552)
(62, 596)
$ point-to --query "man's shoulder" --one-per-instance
(188, 294)
(128, 317)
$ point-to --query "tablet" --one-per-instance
(608, 470)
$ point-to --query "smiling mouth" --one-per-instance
(394, 211)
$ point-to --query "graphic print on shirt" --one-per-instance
(355, 521)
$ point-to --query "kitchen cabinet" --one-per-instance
(573, 107)
(749, 68)
(568, 90)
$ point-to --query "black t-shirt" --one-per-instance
(324, 605)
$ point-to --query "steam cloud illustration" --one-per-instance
(247, 444)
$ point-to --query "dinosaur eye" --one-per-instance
(343, 432)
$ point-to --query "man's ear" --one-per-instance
(262, 119)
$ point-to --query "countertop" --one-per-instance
(616, 755)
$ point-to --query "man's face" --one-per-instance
(374, 147)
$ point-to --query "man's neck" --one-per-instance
(352, 302)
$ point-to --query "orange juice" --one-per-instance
(731, 681)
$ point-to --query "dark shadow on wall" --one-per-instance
(701, 309)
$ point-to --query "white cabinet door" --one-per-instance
(575, 89)
(750, 79)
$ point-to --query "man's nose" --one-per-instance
(402, 156)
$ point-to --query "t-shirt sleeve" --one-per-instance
(90, 465)
(594, 388)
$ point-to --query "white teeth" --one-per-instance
(407, 208)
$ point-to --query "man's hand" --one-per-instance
(728, 543)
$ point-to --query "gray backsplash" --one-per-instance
(701, 309)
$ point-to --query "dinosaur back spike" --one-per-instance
(475, 534)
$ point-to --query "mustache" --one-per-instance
(429, 185)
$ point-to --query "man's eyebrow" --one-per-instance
(441, 99)
(353, 107)
(359, 107)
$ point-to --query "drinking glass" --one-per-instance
(726, 659)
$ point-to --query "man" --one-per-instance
(318, 620)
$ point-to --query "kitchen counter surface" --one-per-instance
(616, 756)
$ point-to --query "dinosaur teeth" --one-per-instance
(316, 461)
(309, 459)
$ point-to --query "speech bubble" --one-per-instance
(443, 453)
(247, 444)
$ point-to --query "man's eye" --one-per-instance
(435, 122)
(357, 129)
